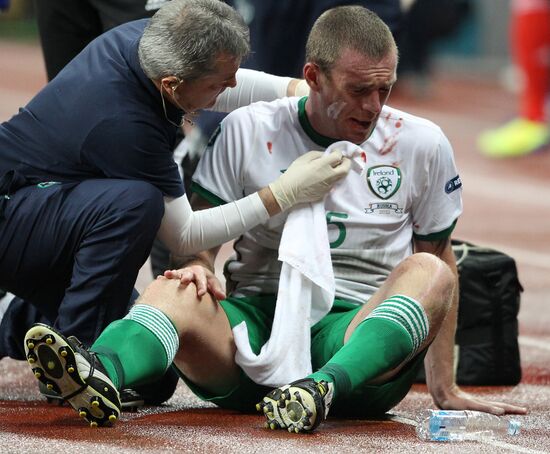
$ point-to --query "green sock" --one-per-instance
(387, 337)
(139, 348)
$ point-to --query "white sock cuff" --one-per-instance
(406, 312)
(160, 325)
(5, 301)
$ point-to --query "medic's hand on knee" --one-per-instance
(204, 279)
(309, 178)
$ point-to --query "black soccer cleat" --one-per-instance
(298, 407)
(64, 366)
(130, 400)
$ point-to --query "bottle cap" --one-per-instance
(513, 427)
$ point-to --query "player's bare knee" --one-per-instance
(194, 317)
(433, 270)
(170, 297)
(438, 284)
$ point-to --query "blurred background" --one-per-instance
(470, 38)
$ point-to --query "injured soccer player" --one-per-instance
(332, 305)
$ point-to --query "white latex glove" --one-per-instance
(309, 178)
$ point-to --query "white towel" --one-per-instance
(305, 294)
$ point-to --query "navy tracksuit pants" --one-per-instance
(71, 253)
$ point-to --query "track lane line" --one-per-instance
(528, 341)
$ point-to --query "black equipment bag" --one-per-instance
(487, 329)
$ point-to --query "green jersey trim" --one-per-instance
(437, 235)
(319, 139)
(207, 195)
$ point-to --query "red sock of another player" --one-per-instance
(530, 34)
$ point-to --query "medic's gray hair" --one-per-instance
(185, 37)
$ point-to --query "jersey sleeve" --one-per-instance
(138, 151)
(219, 177)
(438, 205)
(252, 86)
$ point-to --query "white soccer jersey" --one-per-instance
(409, 186)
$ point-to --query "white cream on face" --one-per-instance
(335, 109)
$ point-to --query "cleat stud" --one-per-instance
(106, 389)
(31, 360)
(63, 353)
(49, 386)
(272, 426)
(30, 345)
(70, 369)
(112, 418)
(296, 430)
(82, 413)
(93, 424)
(258, 407)
(290, 429)
(49, 341)
(95, 403)
(37, 374)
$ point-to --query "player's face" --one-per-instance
(351, 96)
(201, 93)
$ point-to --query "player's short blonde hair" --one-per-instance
(348, 27)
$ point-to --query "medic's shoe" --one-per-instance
(517, 138)
(65, 366)
(298, 407)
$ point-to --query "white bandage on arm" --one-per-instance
(186, 232)
(251, 86)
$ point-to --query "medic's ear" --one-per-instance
(171, 83)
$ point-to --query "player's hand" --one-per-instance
(309, 178)
(204, 279)
(456, 399)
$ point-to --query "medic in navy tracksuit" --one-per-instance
(81, 194)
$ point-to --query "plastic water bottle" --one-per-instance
(454, 425)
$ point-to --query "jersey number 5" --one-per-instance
(340, 225)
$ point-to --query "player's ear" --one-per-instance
(312, 75)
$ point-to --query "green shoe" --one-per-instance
(519, 137)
